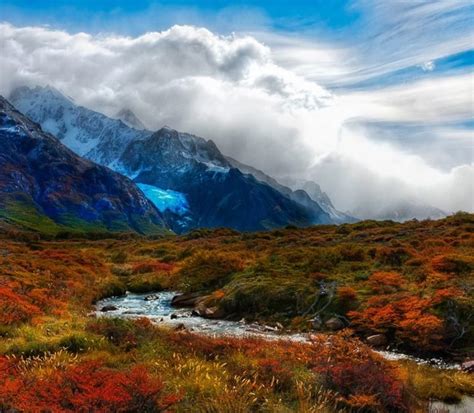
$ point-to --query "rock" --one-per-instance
(174, 316)
(108, 307)
(334, 324)
(468, 366)
(316, 323)
(377, 340)
(180, 327)
(208, 312)
(185, 300)
(279, 326)
(151, 297)
(194, 313)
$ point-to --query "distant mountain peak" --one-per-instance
(128, 117)
(88, 133)
(45, 93)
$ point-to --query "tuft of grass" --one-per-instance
(429, 383)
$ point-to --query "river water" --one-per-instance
(160, 311)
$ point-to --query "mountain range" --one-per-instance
(189, 181)
(187, 177)
(46, 186)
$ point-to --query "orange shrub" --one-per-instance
(15, 308)
(385, 281)
(152, 266)
(86, 386)
(346, 294)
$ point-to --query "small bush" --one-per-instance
(119, 257)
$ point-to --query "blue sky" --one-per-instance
(381, 89)
(87, 15)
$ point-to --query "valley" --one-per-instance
(411, 283)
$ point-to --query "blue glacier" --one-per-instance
(166, 199)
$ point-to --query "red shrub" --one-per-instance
(152, 266)
(15, 308)
(383, 282)
(87, 386)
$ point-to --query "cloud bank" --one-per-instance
(233, 90)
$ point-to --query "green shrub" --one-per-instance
(75, 343)
(119, 257)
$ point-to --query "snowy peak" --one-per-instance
(170, 150)
(191, 147)
(130, 119)
(88, 133)
(47, 95)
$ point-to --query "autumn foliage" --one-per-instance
(410, 282)
(85, 386)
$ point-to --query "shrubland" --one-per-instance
(410, 282)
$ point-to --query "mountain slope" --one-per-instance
(130, 119)
(44, 185)
(307, 193)
(194, 168)
(217, 193)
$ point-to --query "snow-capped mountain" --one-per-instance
(321, 198)
(130, 119)
(88, 133)
(173, 168)
(216, 194)
(45, 184)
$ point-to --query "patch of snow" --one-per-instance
(216, 168)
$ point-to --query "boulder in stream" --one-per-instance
(185, 300)
(208, 312)
(108, 307)
(151, 297)
(377, 340)
(180, 327)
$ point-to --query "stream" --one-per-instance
(160, 311)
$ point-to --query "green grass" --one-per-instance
(22, 211)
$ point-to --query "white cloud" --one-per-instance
(389, 36)
(428, 66)
(232, 90)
